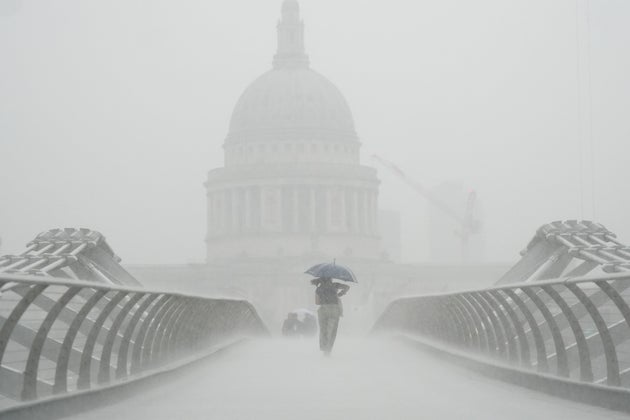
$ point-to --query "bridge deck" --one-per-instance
(364, 379)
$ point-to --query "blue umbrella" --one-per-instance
(333, 271)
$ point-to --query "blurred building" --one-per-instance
(449, 242)
(292, 184)
(391, 234)
(293, 193)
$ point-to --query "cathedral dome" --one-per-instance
(289, 103)
(292, 184)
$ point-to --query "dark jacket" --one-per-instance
(327, 292)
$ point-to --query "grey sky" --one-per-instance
(111, 112)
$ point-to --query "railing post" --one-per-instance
(106, 354)
(139, 343)
(494, 326)
(123, 350)
(610, 353)
(84, 380)
(61, 372)
(508, 332)
(586, 369)
(479, 342)
(150, 342)
(558, 341)
(524, 353)
(161, 341)
(465, 336)
(29, 389)
(16, 314)
(541, 352)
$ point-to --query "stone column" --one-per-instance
(248, 208)
(257, 209)
(328, 207)
(356, 222)
(263, 209)
(279, 193)
(364, 212)
(343, 208)
(216, 212)
(373, 212)
(225, 212)
(296, 209)
(313, 209)
(236, 211)
(209, 214)
(271, 215)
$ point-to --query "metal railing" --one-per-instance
(60, 336)
(576, 329)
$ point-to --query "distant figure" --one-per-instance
(330, 310)
(291, 326)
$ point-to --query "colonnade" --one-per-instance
(304, 209)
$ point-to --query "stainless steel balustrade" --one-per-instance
(575, 328)
(59, 336)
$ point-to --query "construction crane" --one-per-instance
(467, 224)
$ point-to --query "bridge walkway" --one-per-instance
(363, 379)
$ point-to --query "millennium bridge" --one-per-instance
(81, 338)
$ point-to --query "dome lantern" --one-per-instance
(290, 51)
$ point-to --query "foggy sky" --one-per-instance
(112, 112)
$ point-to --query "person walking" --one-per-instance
(292, 326)
(327, 294)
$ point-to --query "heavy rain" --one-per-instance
(314, 209)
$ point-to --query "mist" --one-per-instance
(289, 380)
(111, 113)
(216, 165)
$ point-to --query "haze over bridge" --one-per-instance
(364, 379)
(78, 333)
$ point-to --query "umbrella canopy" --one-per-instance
(332, 270)
(303, 313)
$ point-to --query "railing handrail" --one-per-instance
(151, 326)
(529, 323)
(55, 281)
(555, 282)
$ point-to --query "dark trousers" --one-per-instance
(328, 316)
